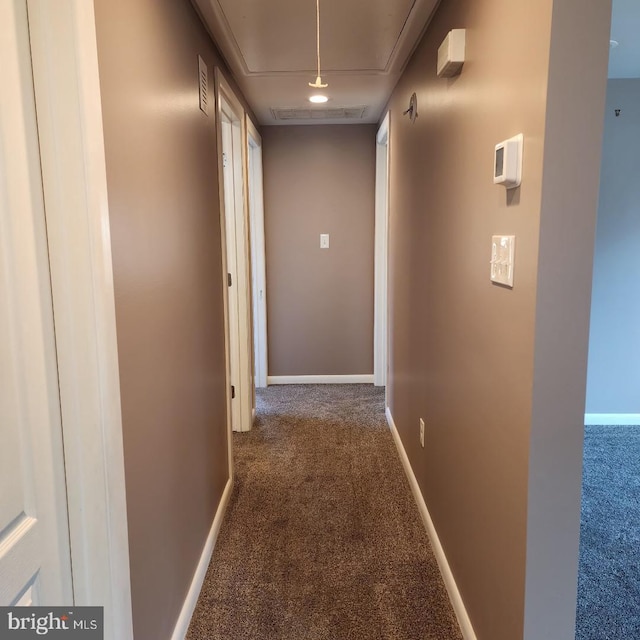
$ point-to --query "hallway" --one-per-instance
(322, 539)
(116, 128)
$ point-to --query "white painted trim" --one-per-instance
(380, 338)
(258, 253)
(382, 136)
(182, 626)
(215, 19)
(67, 89)
(617, 419)
(225, 296)
(346, 379)
(449, 581)
(229, 107)
(35, 553)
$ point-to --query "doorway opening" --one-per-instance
(608, 586)
(235, 233)
(380, 335)
(258, 260)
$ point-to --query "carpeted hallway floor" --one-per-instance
(322, 539)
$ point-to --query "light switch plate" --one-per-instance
(324, 240)
(502, 259)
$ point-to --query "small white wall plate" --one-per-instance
(502, 257)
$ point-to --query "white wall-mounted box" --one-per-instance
(507, 162)
(451, 54)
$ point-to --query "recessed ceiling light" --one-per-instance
(318, 99)
(613, 43)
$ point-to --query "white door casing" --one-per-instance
(35, 559)
(69, 109)
(380, 339)
(230, 242)
(235, 229)
(258, 258)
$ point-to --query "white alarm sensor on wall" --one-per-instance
(451, 54)
(507, 162)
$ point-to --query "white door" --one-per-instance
(35, 564)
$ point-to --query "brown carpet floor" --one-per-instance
(322, 539)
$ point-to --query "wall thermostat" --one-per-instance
(507, 165)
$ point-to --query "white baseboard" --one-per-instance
(350, 379)
(617, 419)
(454, 594)
(182, 626)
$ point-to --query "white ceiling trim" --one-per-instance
(216, 21)
(412, 30)
(386, 44)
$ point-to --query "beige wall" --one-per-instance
(164, 212)
(488, 368)
(319, 179)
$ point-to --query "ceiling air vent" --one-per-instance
(291, 114)
(323, 113)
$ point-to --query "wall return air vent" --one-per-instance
(203, 81)
(322, 113)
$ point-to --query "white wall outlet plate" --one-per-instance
(502, 259)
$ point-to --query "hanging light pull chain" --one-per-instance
(318, 83)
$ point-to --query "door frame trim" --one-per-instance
(69, 109)
(255, 194)
(380, 339)
(224, 93)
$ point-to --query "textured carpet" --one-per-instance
(609, 578)
(322, 539)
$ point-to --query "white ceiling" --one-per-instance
(624, 60)
(270, 46)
